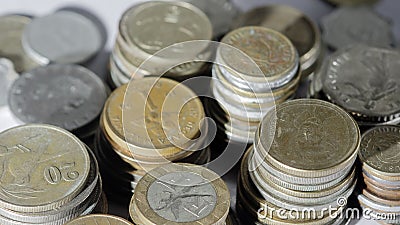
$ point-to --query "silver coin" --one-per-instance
(7, 77)
(68, 96)
(353, 25)
(62, 37)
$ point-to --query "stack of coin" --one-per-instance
(99, 219)
(380, 156)
(48, 176)
(362, 80)
(302, 158)
(151, 122)
(68, 96)
(150, 27)
(180, 194)
(247, 88)
(298, 27)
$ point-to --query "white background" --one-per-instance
(109, 13)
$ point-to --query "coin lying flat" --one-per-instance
(62, 37)
(98, 219)
(180, 194)
(68, 96)
(354, 25)
(7, 77)
(11, 30)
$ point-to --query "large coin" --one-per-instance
(68, 96)
(98, 219)
(309, 138)
(43, 167)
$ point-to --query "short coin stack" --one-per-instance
(180, 194)
(148, 123)
(301, 159)
(247, 88)
(150, 27)
(48, 176)
(380, 156)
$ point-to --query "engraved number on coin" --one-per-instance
(55, 175)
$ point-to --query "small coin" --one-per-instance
(355, 25)
(7, 77)
(43, 168)
(68, 96)
(62, 37)
(99, 219)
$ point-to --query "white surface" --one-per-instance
(109, 13)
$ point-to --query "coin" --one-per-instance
(7, 76)
(61, 37)
(68, 96)
(355, 25)
(12, 27)
(181, 194)
(99, 219)
(43, 167)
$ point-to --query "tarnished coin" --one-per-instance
(62, 37)
(11, 29)
(7, 77)
(68, 96)
(380, 150)
(43, 167)
(181, 194)
(354, 25)
(363, 80)
(309, 138)
(99, 219)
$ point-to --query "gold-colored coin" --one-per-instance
(99, 219)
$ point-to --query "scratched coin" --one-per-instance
(11, 29)
(180, 194)
(43, 167)
(363, 80)
(7, 77)
(68, 96)
(99, 219)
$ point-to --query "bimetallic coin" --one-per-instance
(43, 168)
(181, 194)
(68, 96)
(7, 77)
(99, 219)
(62, 37)
(355, 25)
(11, 29)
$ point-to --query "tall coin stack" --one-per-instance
(48, 176)
(380, 156)
(162, 121)
(180, 194)
(302, 159)
(247, 88)
(150, 27)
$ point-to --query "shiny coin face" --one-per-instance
(7, 77)
(181, 194)
(364, 80)
(309, 135)
(153, 26)
(98, 219)
(62, 37)
(68, 96)
(273, 53)
(380, 150)
(354, 25)
(40, 165)
(11, 29)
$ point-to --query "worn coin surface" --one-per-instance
(62, 37)
(181, 194)
(99, 219)
(309, 137)
(11, 29)
(42, 168)
(363, 80)
(68, 96)
(7, 77)
(354, 25)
